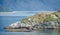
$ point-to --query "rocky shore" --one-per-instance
(39, 21)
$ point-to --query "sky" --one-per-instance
(19, 13)
(28, 5)
(22, 13)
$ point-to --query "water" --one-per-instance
(6, 20)
(38, 32)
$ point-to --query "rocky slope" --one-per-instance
(38, 21)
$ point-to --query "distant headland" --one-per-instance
(48, 20)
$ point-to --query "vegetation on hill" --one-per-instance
(43, 17)
(38, 21)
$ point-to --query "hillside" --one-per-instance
(38, 21)
(42, 17)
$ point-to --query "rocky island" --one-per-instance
(47, 20)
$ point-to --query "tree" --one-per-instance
(58, 10)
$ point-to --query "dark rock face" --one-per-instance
(50, 24)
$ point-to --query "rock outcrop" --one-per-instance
(38, 21)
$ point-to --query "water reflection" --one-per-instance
(36, 32)
(48, 32)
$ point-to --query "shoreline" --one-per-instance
(27, 30)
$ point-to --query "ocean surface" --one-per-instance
(7, 20)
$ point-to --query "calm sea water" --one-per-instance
(39, 32)
(6, 20)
